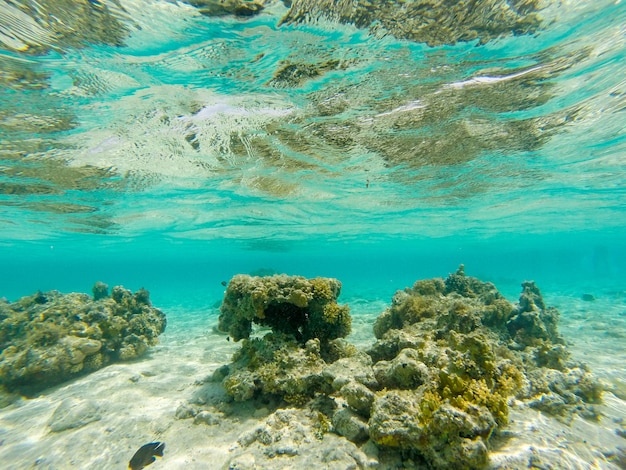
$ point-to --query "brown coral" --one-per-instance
(306, 324)
(50, 337)
(294, 305)
(451, 352)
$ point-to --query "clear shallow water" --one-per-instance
(157, 146)
(197, 127)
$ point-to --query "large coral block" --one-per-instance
(49, 337)
(307, 326)
(294, 305)
(450, 353)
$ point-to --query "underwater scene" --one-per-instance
(312, 234)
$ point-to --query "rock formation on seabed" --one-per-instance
(49, 337)
(451, 356)
(452, 353)
(306, 326)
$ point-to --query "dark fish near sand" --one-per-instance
(146, 455)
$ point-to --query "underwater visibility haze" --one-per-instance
(170, 146)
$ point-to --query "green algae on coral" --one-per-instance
(50, 337)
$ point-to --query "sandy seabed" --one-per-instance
(98, 421)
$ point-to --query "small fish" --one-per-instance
(145, 455)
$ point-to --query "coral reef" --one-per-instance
(451, 356)
(451, 353)
(49, 337)
(306, 323)
(294, 305)
(276, 365)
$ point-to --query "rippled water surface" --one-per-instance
(137, 117)
(174, 143)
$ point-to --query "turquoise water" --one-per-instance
(191, 272)
(154, 144)
(172, 140)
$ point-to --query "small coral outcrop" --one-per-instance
(294, 305)
(47, 338)
(306, 326)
